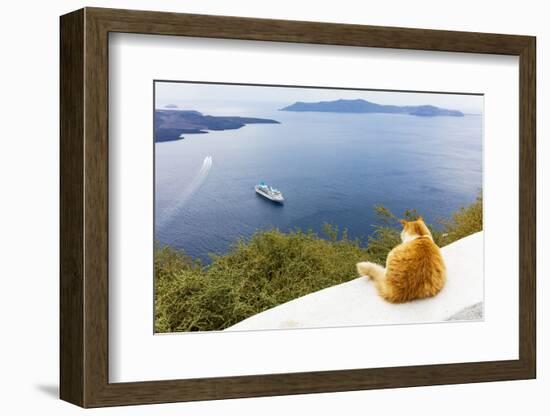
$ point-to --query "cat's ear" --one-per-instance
(403, 222)
(420, 218)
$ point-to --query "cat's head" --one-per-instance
(414, 229)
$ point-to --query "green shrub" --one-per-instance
(273, 267)
(466, 221)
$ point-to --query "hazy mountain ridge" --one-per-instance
(171, 124)
(364, 106)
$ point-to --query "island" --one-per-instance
(364, 106)
(172, 124)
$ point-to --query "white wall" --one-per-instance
(29, 207)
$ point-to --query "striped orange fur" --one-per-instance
(414, 269)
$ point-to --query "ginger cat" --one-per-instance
(414, 269)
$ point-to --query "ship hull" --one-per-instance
(266, 196)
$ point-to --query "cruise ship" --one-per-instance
(269, 193)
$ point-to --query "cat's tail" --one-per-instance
(372, 270)
(378, 275)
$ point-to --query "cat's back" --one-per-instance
(416, 269)
(421, 249)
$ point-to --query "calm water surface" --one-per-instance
(331, 168)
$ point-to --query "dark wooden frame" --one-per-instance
(84, 207)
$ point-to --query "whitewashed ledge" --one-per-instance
(357, 303)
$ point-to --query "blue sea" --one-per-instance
(331, 167)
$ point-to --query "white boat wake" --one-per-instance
(195, 184)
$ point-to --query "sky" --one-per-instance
(222, 98)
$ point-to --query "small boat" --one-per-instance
(270, 193)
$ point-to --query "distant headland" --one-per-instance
(364, 106)
(172, 124)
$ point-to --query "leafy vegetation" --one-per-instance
(273, 267)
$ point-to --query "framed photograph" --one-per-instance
(255, 207)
